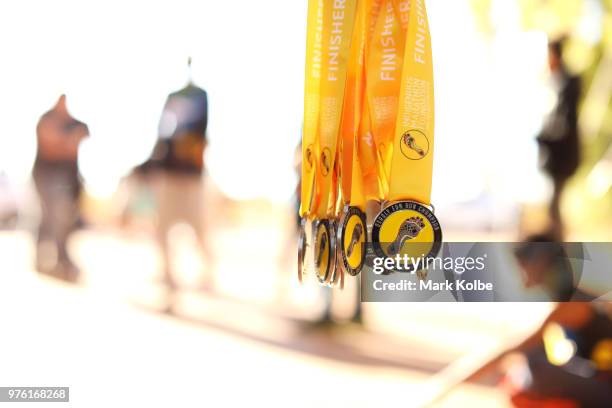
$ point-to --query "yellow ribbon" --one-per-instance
(350, 174)
(314, 60)
(412, 160)
(338, 21)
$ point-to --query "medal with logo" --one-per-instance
(352, 227)
(314, 43)
(330, 28)
(407, 224)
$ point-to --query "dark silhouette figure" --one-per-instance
(176, 168)
(559, 139)
(56, 176)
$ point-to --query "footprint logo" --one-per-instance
(309, 157)
(357, 233)
(409, 229)
(411, 143)
(325, 161)
(414, 145)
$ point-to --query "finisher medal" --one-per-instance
(368, 135)
(331, 24)
(352, 226)
(406, 227)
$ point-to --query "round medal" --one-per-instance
(352, 237)
(324, 250)
(409, 230)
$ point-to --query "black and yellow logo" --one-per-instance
(414, 145)
(326, 161)
(324, 250)
(406, 228)
(310, 158)
(352, 237)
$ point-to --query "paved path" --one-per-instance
(114, 350)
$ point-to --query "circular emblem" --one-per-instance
(302, 247)
(414, 145)
(352, 237)
(407, 229)
(326, 161)
(324, 250)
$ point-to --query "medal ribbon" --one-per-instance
(314, 58)
(367, 156)
(353, 105)
(412, 162)
(338, 20)
(384, 80)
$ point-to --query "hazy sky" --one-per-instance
(117, 61)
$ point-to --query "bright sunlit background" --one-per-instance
(117, 62)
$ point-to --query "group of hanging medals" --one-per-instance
(368, 136)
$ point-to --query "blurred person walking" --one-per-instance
(57, 181)
(176, 167)
(558, 141)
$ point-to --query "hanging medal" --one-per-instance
(333, 24)
(368, 135)
(338, 18)
(407, 224)
(352, 226)
(314, 58)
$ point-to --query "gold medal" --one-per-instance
(352, 237)
(406, 228)
(352, 227)
(324, 251)
(368, 135)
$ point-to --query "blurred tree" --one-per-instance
(482, 11)
(587, 25)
